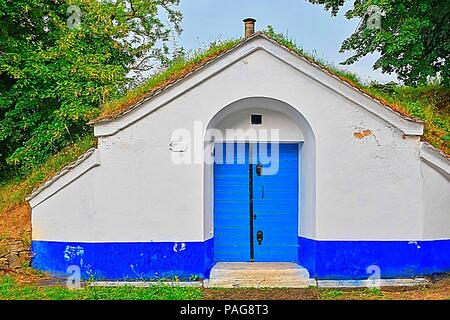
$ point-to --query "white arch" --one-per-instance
(307, 172)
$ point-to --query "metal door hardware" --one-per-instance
(259, 237)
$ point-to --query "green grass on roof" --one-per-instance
(290, 43)
(177, 70)
(429, 103)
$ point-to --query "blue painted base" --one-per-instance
(336, 260)
(122, 261)
(342, 260)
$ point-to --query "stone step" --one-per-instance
(259, 275)
(259, 284)
(248, 274)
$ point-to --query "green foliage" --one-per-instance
(331, 294)
(53, 77)
(412, 41)
(430, 103)
(10, 290)
(332, 5)
(374, 292)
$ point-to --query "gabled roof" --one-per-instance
(105, 125)
(215, 56)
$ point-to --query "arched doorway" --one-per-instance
(256, 201)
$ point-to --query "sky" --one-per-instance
(313, 28)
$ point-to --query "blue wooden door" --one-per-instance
(255, 202)
(231, 202)
(275, 202)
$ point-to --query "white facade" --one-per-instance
(363, 175)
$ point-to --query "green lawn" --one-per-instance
(29, 288)
(11, 290)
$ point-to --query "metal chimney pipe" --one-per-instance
(249, 24)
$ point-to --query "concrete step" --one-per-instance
(259, 275)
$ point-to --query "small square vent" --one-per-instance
(256, 119)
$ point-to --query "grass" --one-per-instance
(184, 66)
(331, 294)
(429, 103)
(28, 285)
(351, 294)
(289, 43)
(11, 290)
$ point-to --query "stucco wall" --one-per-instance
(367, 176)
(240, 124)
(436, 188)
(70, 214)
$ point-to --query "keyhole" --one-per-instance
(259, 170)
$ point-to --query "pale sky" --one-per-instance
(309, 25)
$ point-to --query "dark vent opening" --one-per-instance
(256, 119)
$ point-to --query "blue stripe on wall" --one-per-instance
(121, 261)
(323, 259)
(342, 260)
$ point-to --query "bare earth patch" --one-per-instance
(438, 289)
(28, 277)
(261, 294)
(15, 223)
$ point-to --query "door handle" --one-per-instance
(259, 237)
(259, 170)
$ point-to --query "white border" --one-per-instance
(435, 157)
(69, 174)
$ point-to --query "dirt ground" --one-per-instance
(15, 223)
(437, 289)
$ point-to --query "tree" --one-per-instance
(412, 38)
(60, 60)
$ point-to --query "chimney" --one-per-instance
(249, 27)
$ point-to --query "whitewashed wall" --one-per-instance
(368, 188)
(436, 188)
